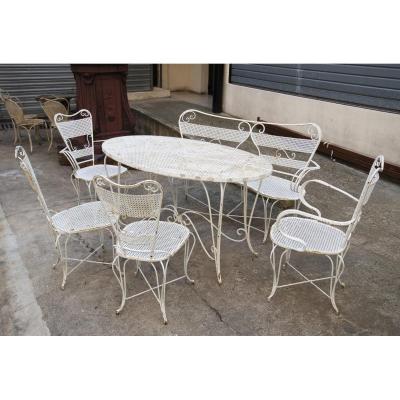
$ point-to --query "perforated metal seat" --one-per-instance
(310, 233)
(275, 188)
(83, 218)
(88, 173)
(169, 239)
(318, 237)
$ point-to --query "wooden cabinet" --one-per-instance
(101, 88)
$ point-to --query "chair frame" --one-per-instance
(57, 234)
(49, 107)
(117, 201)
(337, 265)
(74, 154)
(21, 121)
(286, 149)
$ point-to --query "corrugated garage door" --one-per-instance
(140, 77)
(371, 85)
(27, 81)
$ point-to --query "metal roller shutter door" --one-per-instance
(27, 81)
(370, 85)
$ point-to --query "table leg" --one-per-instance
(222, 187)
(247, 224)
(216, 231)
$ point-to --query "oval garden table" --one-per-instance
(201, 161)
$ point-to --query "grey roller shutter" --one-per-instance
(371, 85)
(140, 77)
(27, 81)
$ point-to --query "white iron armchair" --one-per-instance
(77, 133)
(304, 232)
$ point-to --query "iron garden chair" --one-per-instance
(304, 232)
(88, 217)
(77, 133)
(141, 236)
(21, 121)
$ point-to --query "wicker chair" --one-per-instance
(89, 217)
(51, 108)
(77, 133)
(141, 236)
(20, 120)
(303, 232)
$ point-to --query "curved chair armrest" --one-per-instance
(301, 173)
(69, 157)
(308, 216)
(315, 166)
(302, 193)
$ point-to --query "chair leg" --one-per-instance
(122, 284)
(265, 204)
(267, 218)
(65, 264)
(28, 131)
(76, 184)
(138, 265)
(163, 289)
(186, 257)
(16, 135)
(57, 245)
(276, 273)
(51, 138)
(339, 270)
(274, 282)
(186, 189)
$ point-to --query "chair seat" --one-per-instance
(319, 237)
(88, 173)
(31, 122)
(136, 239)
(85, 217)
(276, 188)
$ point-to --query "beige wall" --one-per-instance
(192, 77)
(362, 130)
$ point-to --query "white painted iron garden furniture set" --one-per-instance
(131, 213)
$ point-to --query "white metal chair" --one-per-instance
(199, 125)
(77, 133)
(303, 232)
(20, 120)
(195, 124)
(292, 159)
(88, 217)
(141, 236)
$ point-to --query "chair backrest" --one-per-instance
(195, 124)
(14, 110)
(77, 133)
(372, 179)
(294, 154)
(25, 165)
(53, 107)
(137, 202)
